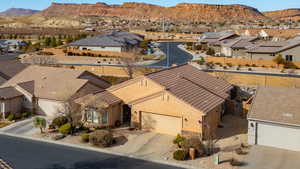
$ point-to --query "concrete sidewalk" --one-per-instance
(24, 127)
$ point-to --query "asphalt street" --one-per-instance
(174, 55)
(27, 154)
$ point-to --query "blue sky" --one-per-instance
(263, 5)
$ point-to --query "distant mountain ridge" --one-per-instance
(18, 12)
(285, 14)
(143, 11)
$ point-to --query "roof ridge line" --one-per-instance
(169, 68)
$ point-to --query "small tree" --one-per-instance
(279, 60)
(39, 122)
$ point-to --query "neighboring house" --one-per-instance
(214, 39)
(289, 49)
(111, 42)
(46, 90)
(9, 68)
(237, 47)
(274, 118)
(12, 45)
(177, 100)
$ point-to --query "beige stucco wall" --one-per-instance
(136, 89)
(115, 112)
(212, 118)
(50, 108)
(240, 53)
(167, 104)
(13, 105)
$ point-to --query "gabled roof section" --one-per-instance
(9, 68)
(114, 39)
(49, 82)
(101, 99)
(9, 92)
(275, 47)
(193, 86)
(277, 105)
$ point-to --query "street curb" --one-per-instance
(98, 150)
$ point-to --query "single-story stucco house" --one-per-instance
(214, 39)
(45, 90)
(177, 100)
(274, 118)
(288, 49)
(111, 42)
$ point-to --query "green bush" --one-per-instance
(178, 140)
(18, 116)
(180, 155)
(193, 142)
(65, 129)
(101, 138)
(26, 114)
(11, 117)
(59, 121)
(85, 138)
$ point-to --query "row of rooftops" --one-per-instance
(230, 39)
(186, 82)
(112, 39)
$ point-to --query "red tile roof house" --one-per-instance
(178, 100)
(44, 90)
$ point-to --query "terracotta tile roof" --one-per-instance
(193, 86)
(9, 92)
(277, 105)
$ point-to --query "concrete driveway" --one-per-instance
(272, 158)
(147, 145)
(24, 127)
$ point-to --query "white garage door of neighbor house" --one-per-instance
(161, 123)
(278, 136)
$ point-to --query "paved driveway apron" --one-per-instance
(261, 157)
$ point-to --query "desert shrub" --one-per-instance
(59, 121)
(224, 67)
(211, 52)
(26, 114)
(58, 137)
(290, 65)
(101, 138)
(254, 65)
(180, 155)
(229, 64)
(40, 123)
(247, 65)
(178, 140)
(65, 129)
(11, 117)
(85, 137)
(249, 69)
(18, 116)
(193, 142)
(201, 61)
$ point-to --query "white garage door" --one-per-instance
(161, 123)
(278, 136)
